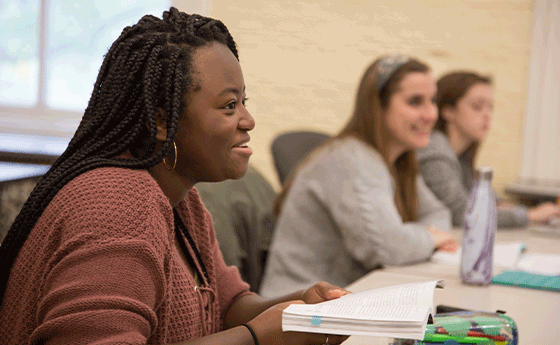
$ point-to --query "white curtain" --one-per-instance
(541, 141)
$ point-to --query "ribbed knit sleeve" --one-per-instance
(107, 295)
(100, 267)
(95, 266)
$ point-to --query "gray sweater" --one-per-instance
(451, 179)
(339, 221)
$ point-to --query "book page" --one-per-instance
(361, 312)
(400, 302)
(419, 294)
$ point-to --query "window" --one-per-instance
(51, 52)
(539, 179)
(78, 36)
(19, 53)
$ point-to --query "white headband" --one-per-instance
(386, 67)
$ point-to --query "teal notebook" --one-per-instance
(528, 280)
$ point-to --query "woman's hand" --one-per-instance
(443, 240)
(544, 212)
(321, 292)
(268, 328)
(265, 315)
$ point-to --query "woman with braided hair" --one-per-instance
(114, 245)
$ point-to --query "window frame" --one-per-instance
(44, 121)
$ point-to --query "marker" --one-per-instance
(441, 338)
(441, 330)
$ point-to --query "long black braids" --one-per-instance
(148, 67)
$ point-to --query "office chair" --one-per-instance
(288, 149)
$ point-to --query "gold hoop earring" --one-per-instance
(175, 162)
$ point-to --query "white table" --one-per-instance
(536, 312)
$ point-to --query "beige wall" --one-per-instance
(302, 61)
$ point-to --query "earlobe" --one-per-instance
(161, 124)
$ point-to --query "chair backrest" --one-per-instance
(288, 149)
(13, 194)
(242, 214)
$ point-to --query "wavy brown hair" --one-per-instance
(367, 124)
(450, 89)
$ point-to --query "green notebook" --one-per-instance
(528, 280)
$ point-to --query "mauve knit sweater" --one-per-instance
(100, 267)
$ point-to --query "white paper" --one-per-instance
(505, 255)
(547, 264)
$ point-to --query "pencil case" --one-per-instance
(468, 327)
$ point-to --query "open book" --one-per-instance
(399, 311)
